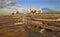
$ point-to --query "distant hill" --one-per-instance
(47, 10)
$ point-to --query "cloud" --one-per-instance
(3, 3)
(9, 4)
(13, 3)
(6, 6)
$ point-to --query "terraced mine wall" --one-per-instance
(30, 25)
(12, 26)
(49, 22)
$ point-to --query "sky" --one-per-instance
(25, 4)
(54, 4)
(40, 3)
